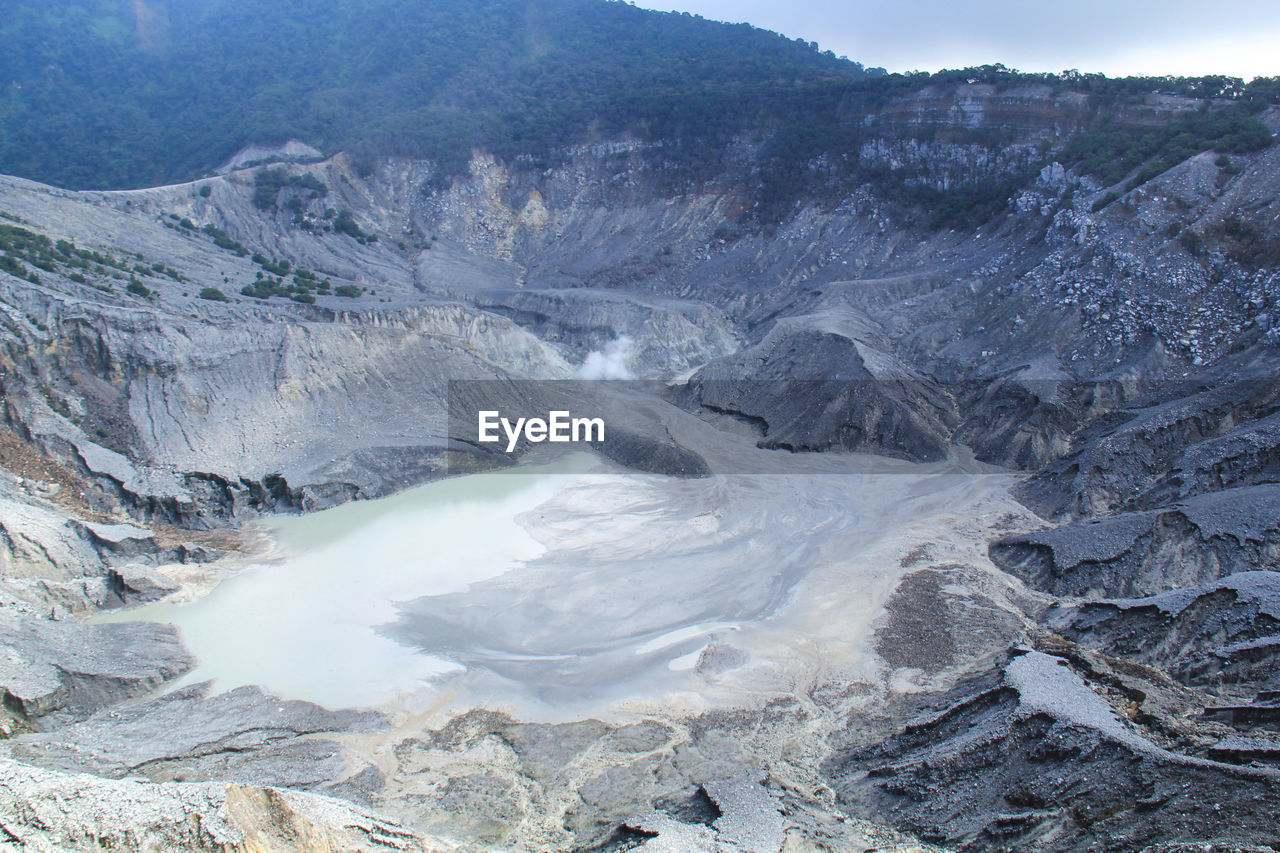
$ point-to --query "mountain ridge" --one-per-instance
(113, 94)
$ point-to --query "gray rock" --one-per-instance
(134, 584)
(244, 735)
(69, 669)
(814, 383)
(1143, 553)
(1037, 760)
(47, 810)
(1018, 421)
(1197, 442)
(1224, 635)
(38, 540)
(1238, 749)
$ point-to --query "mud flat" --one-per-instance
(576, 587)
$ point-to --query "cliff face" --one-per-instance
(522, 272)
(1121, 353)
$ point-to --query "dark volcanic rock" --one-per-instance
(1017, 423)
(1220, 634)
(942, 617)
(1036, 760)
(1248, 453)
(1028, 417)
(1262, 713)
(814, 383)
(917, 631)
(1142, 553)
(1199, 441)
(652, 454)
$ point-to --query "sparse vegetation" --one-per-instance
(223, 241)
(267, 184)
(273, 267)
(345, 223)
(20, 247)
(304, 287)
(1105, 201)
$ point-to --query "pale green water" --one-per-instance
(305, 626)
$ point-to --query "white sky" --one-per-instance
(1240, 38)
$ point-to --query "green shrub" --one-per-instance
(223, 241)
(1111, 151)
(213, 294)
(346, 224)
(1105, 200)
(267, 184)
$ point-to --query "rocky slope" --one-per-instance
(1121, 354)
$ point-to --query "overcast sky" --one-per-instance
(1117, 37)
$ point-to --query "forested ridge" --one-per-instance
(130, 93)
(112, 93)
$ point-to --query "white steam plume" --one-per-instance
(612, 362)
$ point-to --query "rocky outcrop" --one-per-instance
(47, 810)
(293, 151)
(1033, 759)
(1223, 635)
(244, 735)
(1023, 419)
(1143, 553)
(37, 540)
(814, 383)
(139, 584)
(68, 670)
(664, 335)
(656, 785)
(1193, 441)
